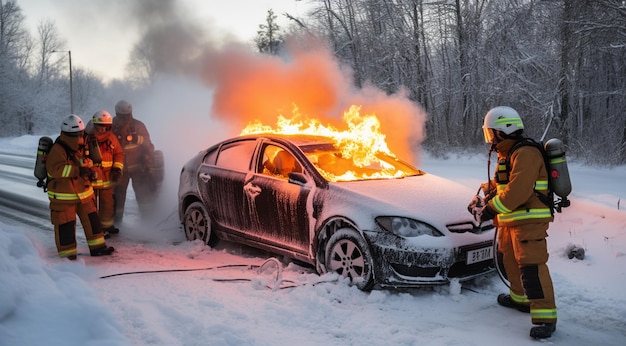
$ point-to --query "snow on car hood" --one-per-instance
(427, 197)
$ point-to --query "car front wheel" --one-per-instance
(348, 254)
(197, 224)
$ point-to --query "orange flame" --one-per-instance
(361, 142)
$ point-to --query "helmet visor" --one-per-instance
(489, 135)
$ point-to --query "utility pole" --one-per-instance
(69, 52)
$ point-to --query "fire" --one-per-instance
(360, 144)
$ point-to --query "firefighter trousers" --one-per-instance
(145, 193)
(63, 217)
(524, 256)
(106, 206)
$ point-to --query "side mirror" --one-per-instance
(297, 178)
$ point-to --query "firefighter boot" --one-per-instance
(506, 301)
(112, 230)
(103, 251)
(542, 331)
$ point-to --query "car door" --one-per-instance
(222, 182)
(281, 215)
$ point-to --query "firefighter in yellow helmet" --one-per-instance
(70, 192)
(109, 168)
(515, 201)
(138, 152)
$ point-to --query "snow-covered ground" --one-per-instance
(233, 295)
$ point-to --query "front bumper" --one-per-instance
(395, 266)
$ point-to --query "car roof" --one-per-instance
(299, 140)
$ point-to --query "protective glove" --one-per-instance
(488, 191)
(475, 204)
(116, 174)
(486, 214)
(84, 172)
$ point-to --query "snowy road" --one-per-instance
(20, 199)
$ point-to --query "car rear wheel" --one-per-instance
(348, 254)
(197, 224)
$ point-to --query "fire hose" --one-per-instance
(277, 284)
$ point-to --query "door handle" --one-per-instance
(252, 190)
(205, 177)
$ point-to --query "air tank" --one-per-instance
(558, 172)
(43, 149)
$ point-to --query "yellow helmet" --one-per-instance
(102, 118)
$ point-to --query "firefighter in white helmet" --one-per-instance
(138, 152)
(70, 192)
(515, 200)
(110, 167)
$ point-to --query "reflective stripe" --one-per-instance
(543, 314)
(67, 253)
(524, 214)
(506, 215)
(96, 242)
(119, 165)
(67, 169)
(556, 160)
(519, 299)
(541, 185)
(106, 164)
(501, 187)
(62, 196)
(509, 121)
(99, 184)
(71, 196)
(500, 208)
(131, 146)
(86, 194)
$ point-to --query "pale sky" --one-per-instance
(101, 33)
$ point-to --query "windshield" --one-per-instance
(335, 166)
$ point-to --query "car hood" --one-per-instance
(432, 199)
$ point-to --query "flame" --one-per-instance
(361, 143)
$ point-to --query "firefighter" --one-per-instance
(138, 151)
(110, 167)
(70, 192)
(522, 219)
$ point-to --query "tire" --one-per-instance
(348, 254)
(197, 224)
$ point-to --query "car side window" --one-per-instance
(210, 157)
(278, 162)
(236, 156)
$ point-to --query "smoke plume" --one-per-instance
(250, 86)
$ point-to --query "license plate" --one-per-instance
(479, 255)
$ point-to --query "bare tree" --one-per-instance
(14, 46)
(49, 42)
(269, 37)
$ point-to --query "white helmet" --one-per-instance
(102, 118)
(123, 108)
(73, 123)
(502, 118)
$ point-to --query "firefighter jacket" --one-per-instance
(65, 182)
(518, 182)
(112, 157)
(133, 135)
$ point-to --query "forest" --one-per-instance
(560, 63)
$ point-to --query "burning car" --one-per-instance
(372, 218)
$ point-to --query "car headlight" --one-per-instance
(405, 227)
